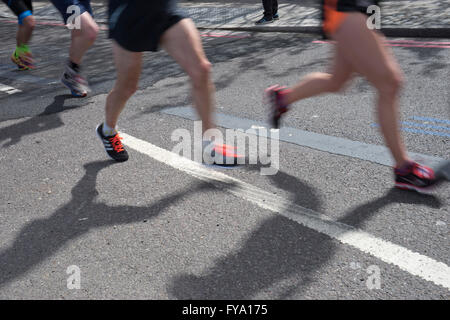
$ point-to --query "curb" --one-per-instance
(306, 29)
(388, 32)
(417, 32)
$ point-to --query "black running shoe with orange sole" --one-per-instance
(113, 146)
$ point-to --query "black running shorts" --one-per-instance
(64, 7)
(334, 12)
(138, 25)
(351, 5)
(21, 8)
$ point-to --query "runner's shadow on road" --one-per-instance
(364, 212)
(277, 250)
(156, 108)
(47, 120)
(247, 50)
(431, 60)
(41, 238)
(281, 258)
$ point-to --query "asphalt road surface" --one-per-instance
(327, 225)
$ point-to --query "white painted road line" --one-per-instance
(407, 260)
(335, 145)
(8, 89)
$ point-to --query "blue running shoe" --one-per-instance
(264, 20)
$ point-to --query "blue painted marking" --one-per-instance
(432, 133)
(420, 125)
(431, 119)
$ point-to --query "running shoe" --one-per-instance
(76, 83)
(113, 146)
(415, 177)
(276, 17)
(264, 20)
(221, 155)
(273, 99)
(24, 61)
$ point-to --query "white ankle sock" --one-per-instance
(108, 131)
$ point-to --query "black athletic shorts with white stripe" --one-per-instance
(138, 25)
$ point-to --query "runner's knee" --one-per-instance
(29, 22)
(201, 73)
(127, 90)
(90, 33)
(335, 85)
(390, 83)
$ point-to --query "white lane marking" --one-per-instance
(407, 260)
(8, 89)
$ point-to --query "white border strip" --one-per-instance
(8, 89)
(407, 260)
(335, 145)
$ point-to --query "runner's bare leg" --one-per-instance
(361, 50)
(365, 51)
(183, 43)
(128, 66)
(83, 38)
(25, 31)
(319, 83)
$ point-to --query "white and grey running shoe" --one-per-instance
(76, 83)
